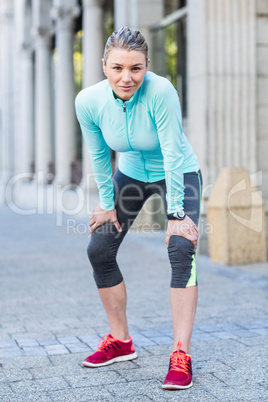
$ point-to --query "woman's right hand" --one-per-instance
(100, 216)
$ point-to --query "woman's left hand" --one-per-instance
(185, 228)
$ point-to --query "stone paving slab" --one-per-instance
(8, 343)
(51, 318)
(32, 351)
(12, 352)
(48, 341)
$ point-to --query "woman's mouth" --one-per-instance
(126, 88)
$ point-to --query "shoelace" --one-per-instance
(179, 361)
(102, 344)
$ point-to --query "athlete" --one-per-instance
(137, 113)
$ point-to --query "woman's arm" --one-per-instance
(101, 165)
(169, 127)
(98, 150)
(167, 115)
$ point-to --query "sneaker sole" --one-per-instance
(118, 359)
(174, 386)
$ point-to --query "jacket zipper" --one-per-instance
(124, 110)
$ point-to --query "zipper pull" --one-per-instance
(124, 106)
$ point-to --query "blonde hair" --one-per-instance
(126, 38)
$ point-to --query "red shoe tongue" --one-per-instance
(181, 351)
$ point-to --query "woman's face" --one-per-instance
(125, 70)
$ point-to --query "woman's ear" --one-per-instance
(104, 67)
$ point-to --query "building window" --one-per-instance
(169, 55)
(172, 5)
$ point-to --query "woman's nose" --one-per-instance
(126, 76)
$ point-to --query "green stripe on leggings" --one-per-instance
(193, 278)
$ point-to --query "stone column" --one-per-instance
(221, 84)
(27, 109)
(262, 93)
(24, 87)
(120, 14)
(43, 102)
(221, 48)
(93, 45)
(7, 90)
(65, 144)
(262, 97)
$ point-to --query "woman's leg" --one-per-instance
(183, 306)
(103, 248)
(114, 300)
(184, 289)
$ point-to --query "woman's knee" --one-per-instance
(180, 247)
(182, 259)
(103, 261)
(102, 249)
(92, 252)
(96, 252)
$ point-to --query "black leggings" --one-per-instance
(130, 195)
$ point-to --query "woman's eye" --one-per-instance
(136, 68)
(117, 68)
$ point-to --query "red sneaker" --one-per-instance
(111, 350)
(179, 374)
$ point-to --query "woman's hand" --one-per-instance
(100, 216)
(185, 228)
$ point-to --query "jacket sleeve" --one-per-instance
(168, 120)
(99, 152)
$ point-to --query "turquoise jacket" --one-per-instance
(146, 130)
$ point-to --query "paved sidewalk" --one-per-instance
(52, 318)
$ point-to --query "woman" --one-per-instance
(137, 113)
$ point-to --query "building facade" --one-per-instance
(214, 52)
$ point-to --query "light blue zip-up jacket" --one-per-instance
(146, 129)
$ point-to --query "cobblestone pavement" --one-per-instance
(52, 318)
